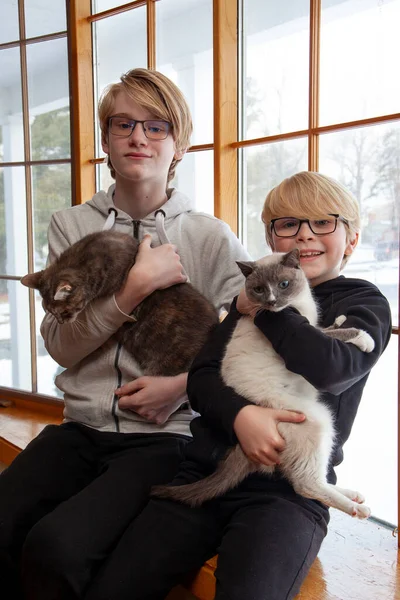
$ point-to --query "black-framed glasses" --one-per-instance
(290, 226)
(154, 129)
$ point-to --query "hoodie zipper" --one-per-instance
(136, 226)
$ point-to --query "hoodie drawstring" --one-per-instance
(162, 235)
(112, 215)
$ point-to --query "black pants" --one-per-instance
(66, 500)
(267, 538)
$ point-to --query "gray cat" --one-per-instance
(172, 324)
(253, 369)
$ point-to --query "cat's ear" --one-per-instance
(63, 291)
(292, 259)
(32, 280)
(246, 267)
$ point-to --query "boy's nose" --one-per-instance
(137, 136)
(305, 231)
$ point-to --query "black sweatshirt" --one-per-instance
(338, 370)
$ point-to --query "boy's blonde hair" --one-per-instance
(310, 194)
(157, 94)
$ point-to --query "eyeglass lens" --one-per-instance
(287, 227)
(153, 129)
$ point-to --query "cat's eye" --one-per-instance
(258, 289)
(283, 284)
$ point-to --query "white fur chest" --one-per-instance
(253, 369)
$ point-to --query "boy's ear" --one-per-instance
(32, 280)
(104, 144)
(351, 245)
(246, 267)
(179, 154)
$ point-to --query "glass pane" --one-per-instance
(50, 134)
(185, 55)
(103, 177)
(367, 162)
(11, 128)
(15, 352)
(47, 368)
(119, 44)
(263, 168)
(44, 17)
(100, 5)
(48, 91)
(360, 46)
(13, 232)
(275, 67)
(194, 177)
(9, 28)
(371, 467)
(51, 191)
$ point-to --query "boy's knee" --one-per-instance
(45, 547)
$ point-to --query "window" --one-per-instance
(344, 125)
(35, 177)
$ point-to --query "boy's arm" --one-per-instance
(329, 364)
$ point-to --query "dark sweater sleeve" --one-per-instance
(208, 395)
(328, 364)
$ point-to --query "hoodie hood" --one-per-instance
(176, 204)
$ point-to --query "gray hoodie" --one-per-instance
(95, 364)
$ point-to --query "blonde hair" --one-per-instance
(310, 194)
(160, 96)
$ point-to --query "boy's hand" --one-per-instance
(258, 435)
(153, 398)
(245, 306)
(154, 269)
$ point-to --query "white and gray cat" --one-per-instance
(253, 369)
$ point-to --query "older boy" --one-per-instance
(70, 495)
(266, 535)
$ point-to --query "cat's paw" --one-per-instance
(360, 511)
(363, 341)
(339, 321)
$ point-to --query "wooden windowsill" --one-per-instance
(358, 559)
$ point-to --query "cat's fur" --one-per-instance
(253, 369)
(172, 324)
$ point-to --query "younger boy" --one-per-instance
(266, 535)
(71, 494)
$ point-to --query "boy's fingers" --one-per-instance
(289, 416)
(146, 241)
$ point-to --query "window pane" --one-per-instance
(367, 162)
(11, 128)
(371, 467)
(263, 168)
(15, 353)
(51, 191)
(44, 17)
(360, 46)
(9, 28)
(194, 177)
(184, 54)
(100, 5)
(48, 90)
(275, 67)
(47, 368)
(13, 232)
(119, 44)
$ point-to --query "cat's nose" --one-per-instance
(271, 302)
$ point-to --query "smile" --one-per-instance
(310, 254)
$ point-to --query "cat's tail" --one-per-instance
(229, 473)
